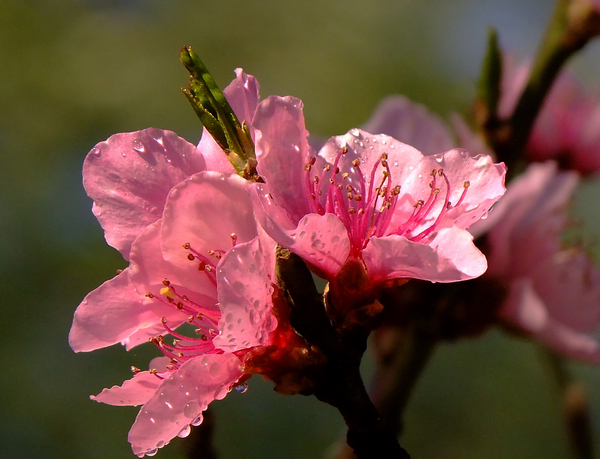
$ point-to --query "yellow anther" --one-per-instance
(168, 293)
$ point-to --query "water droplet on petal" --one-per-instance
(123, 154)
(152, 452)
(184, 432)
(241, 388)
(95, 151)
(439, 158)
(191, 409)
(138, 146)
(484, 216)
(196, 422)
(239, 287)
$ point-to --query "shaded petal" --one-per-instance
(321, 240)
(451, 256)
(129, 176)
(181, 398)
(215, 157)
(569, 284)
(469, 140)
(242, 95)
(282, 151)
(205, 211)
(109, 314)
(149, 269)
(524, 225)
(135, 391)
(410, 123)
(525, 310)
(245, 289)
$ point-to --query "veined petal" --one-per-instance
(244, 283)
(109, 315)
(181, 398)
(135, 391)
(242, 94)
(129, 177)
(451, 256)
(211, 212)
(282, 151)
(321, 240)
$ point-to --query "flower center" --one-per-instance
(204, 317)
(365, 204)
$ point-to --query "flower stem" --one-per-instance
(338, 382)
(575, 408)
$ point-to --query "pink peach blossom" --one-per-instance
(553, 293)
(370, 197)
(197, 260)
(204, 264)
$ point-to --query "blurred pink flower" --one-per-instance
(553, 293)
(371, 198)
(197, 261)
(567, 128)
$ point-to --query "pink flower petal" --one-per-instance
(205, 211)
(108, 315)
(569, 284)
(450, 257)
(282, 150)
(485, 186)
(245, 290)
(181, 398)
(524, 309)
(129, 177)
(135, 391)
(242, 95)
(321, 240)
(410, 123)
(149, 269)
(524, 225)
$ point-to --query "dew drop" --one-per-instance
(197, 421)
(484, 216)
(354, 132)
(152, 452)
(191, 409)
(138, 146)
(241, 388)
(123, 154)
(184, 432)
(95, 151)
(439, 158)
(239, 287)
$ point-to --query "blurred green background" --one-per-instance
(74, 72)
